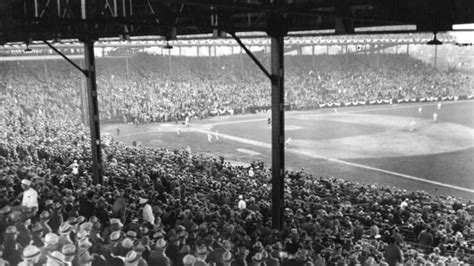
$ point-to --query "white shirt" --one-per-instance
(30, 198)
(148, 214)
(403, 205)
(242, 205)
(75, 168)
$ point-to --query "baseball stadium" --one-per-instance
(236, 132)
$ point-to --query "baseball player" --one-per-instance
(186, 121)
(435, 117)
(420, 110)
(209, 137)
(439, 106)
(413, 125)
(287, 142)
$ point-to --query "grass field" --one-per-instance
(370, 144)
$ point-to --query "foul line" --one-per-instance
(316, 156)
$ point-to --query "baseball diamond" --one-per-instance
(370, 144)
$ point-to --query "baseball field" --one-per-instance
(395, 145)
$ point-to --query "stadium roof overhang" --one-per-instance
(30, 20)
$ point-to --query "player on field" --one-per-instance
(216, 134)
(209, 137)
(413, 125)
(287, 142)
(420, 110)
(439, 106)
(186, 121)
(435, 117)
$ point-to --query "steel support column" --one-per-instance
(94, 124)
(278, 131)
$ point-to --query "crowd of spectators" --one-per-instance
(173, 207)
(147, 88)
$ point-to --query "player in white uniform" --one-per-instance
(287, 142)
(216, 135)
(413, 125)
(435, 117)
(439, 106)
(186, 121)
(209, 137)
(420, 110)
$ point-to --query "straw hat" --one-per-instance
(227, 257)
(132, 257)
(161, 244)
(30, 252)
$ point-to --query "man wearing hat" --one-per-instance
(37, 234)
(257, 259)
(158, 256)
(147, 211)
(85, 259)
(69, 252)
(114, 241)
(201, 255)
(44, 219)
(50, 244)
(31, 255)
(4, 212)
(173, 249)
(133, 258)
(55, 258)
(11, 249)
(64, 234)
(115, 225)
(30, 196)
(189, 260)
(218, 252)
(56, 217)
(292, 259)
(393, 254)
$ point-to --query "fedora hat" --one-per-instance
(161, 244)
(227, 257)
(69, 250)
(201, 250)
(132, 257)
(30, 252)
(65, 229)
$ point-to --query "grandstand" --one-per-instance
(375, 132)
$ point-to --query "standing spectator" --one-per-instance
(393, 254)
(425, 239)
(30, 196)
(242, 205)
(147, 211)
(158, 256)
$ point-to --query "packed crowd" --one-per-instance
(147, 88)
(172, 207)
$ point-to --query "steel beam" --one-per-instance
(278, 131)
(94, 124)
